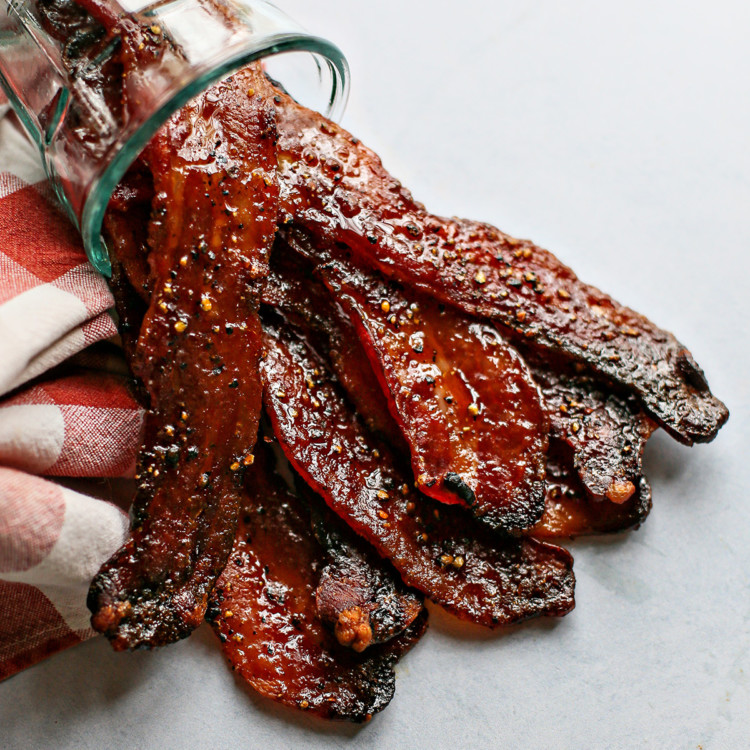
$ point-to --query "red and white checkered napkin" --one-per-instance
(65, 411)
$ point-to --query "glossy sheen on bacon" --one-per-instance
(464, 399)
(265, 613)
(484, 577)
(304, 302)
(196, 355)
(606, 432)
(569, 509)
(359, 595)
(338, 190)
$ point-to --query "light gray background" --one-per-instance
(615, 134)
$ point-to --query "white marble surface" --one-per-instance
(616, 134)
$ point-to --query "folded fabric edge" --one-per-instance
(52, 542)
(26, 653)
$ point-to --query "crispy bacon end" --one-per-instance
(606, 431)
(359, 595)
(570, 511)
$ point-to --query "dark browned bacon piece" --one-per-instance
(606, 432)
(484, 577)
(213, 222)
(265, 613)
(360, 595)
(569, 509)
(338, 190)
(464, 399)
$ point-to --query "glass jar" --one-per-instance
(85, 144)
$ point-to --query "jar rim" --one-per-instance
(125, 153)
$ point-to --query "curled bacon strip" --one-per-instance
(338, 190)
(606, 432)
(462, 396)
(306, 303)
(486, 578)
(196, 356)
(570, 511)
(264, 610)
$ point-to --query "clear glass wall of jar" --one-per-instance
(88, 141)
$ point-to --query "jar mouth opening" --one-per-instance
(333, 72)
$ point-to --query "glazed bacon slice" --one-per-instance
(462, 396)
(339, 192)
(569, 509)
(212, 225)
(360, 595)
(606, 432)
(305, 303)
(485, 577)
(265, 614)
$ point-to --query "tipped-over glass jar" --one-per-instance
(57, 58)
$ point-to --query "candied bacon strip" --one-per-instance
(569, 509)
(487, 578)
(264, 612)
(213, 222)
(359, 595)
(463, 397)
(339, 192)
(607, 432)
(304, 302)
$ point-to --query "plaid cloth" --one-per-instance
(65, 411)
